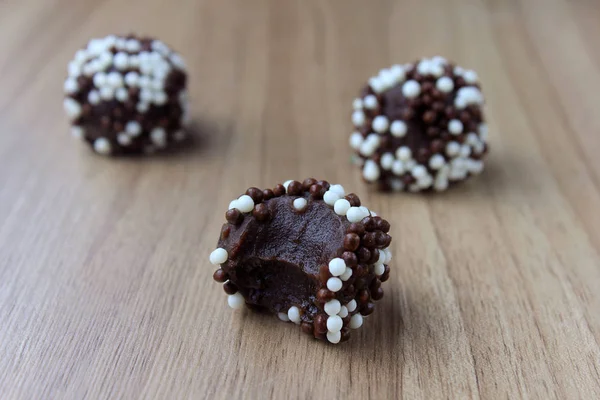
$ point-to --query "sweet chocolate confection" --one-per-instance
(127, 95)
(306, 252)
(420, 126)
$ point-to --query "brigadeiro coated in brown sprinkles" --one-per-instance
(420, 126)
(305, 252)
(127, 95)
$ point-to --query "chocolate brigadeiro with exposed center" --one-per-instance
(306, 252)
(127, 95)
(420, 126)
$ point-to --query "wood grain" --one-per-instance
(105, 288)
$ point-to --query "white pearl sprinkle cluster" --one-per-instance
(453, 164)
(113, 73)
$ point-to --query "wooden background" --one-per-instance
(105, 286)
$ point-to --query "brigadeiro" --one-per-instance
(306, 252)
(127, 95)
(420, 126)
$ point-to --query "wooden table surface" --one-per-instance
(105, 286)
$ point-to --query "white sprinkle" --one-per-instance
(436, 161)
(144, 82)
(102, 146)
(475, 166)
(218, 256)
(358, 118)
(300, 203)
(146, 96)
(409, 164)
(371, 171)
(77, 132)
(343, 312)
(483, 132)
(133, 45)
(142, 107)
(398, 128)
(159, 137)
(458, 70)
(403, 153)
(398, 168)
(236, 301)
(376, 84)
(453, 149)
(337, 267)
(106, 93)
(332, 307)
(160, 98)
(346, 275)
(133, 128)
(465, 150)
(72, 108)
(339, 189)
(294, 314)
(436, 70)
(71, 86)
(445, 84)
(370, 102)
(472, 139)
(470, 76)
(411, 89)
(283, 316)
(81, 56)
(245, 203)
(74, 69)
(351, 306)
(121, 61)
(356, 214)
(357, 104)
(455, 127)
(100, 80)
(439, 60)
(123, 139)
(418, 171)
(334, 284)
(380, 124)
(381, 257)
(331, 197)
(423, 67)
(379, 269)
(114, 79)
(132, 78)
(334, 337)
(334, 323)
(341, 207)
(287, 183)
(121, 94)
(94, 97)
(387, 78)
(177, 61)
(388, 255)
(232, 205)
(356, 321)
(387, 160)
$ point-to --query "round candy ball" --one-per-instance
(420, 126)
(127, 95)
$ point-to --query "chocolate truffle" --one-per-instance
(127, 95)
(420, 126)
(305, 252)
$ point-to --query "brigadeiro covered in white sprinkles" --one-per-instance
(306, 252)
(127, 95)
(420, 126)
